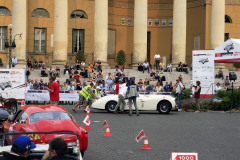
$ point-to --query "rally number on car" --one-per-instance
(33, 137)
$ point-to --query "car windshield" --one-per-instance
(54, 115)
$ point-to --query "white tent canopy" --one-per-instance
(228, 52)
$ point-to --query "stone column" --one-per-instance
(19, 22)
(60, 32)
(101, 31)
(140, 31)
(179, 31)
(217, 23)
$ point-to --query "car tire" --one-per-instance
(164, 107)
(14, 107)
(111, 105)
(82, 153)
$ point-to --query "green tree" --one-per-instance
(121, 57)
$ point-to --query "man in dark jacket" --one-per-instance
(20, 149)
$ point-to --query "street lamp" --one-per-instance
(11, 44)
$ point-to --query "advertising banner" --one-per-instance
(12, 83)
(203, 70)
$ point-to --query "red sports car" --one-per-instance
(48, 118)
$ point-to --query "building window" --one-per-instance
(40, 40)
(79, 14)
(78, 40)
(228, 19)
(40, 12)
(3, 38)
(4, 11)
(226, 36)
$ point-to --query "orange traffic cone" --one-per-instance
(23, 104)
(107, 133)
(87, 127)
(145, 145)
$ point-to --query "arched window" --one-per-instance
(4, 11)
(228, 19)
(40, 12)
(79, 14)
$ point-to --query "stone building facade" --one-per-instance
(55, 30)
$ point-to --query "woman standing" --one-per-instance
(132, 94)
(197, 95)
(158, 88)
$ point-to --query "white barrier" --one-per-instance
(73, 96)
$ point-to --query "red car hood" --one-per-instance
(65, 125)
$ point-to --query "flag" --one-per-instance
(140, 135)
(87, 120)
(104, 124)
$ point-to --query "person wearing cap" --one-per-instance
(96, 92)
(57, 150)
(83, 95)
(20, 149)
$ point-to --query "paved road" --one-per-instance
(215, 136)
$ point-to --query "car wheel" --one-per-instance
(82, 153)
(164, 107)
(14, 108)
(111, 105)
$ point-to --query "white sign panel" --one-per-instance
(203, 70)
(12, 83)
(184, 156)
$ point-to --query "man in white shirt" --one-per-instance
(157, 58)
(70, 87)
(121, 99)
(146, 66)
(179, 91)
(14, 61)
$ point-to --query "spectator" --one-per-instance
(82, 72)
(57, 71)
(149, 88)
(122, 71)
(179, 91)
(86, 72)
(14, 61)
(166, 87)
(170, 86)
(162, 66)
(109, 75)
(82, 64)
(57, 150)
(78, 86)
(220, 74)
(90, 70)
(109, 81)
(40, 64)
(180, 78)
(185, 67)
(197, 94)
(140, 67)
(99, 77)
(145, 66)
(41, 84)
(53, 90)
(169, 67)
(157, 58)
(29, 84)
(116, 72)
(43, 71)
(140, 81)
(20, 149)
(72, 68)
(217, 87)
(36, 85)
(158, 88)
(73, 82)
(77, 76)
(29, 63)
(66, 68)
(111, 88)
(35, 64)
(65, 86)
(94, 77)
(27, 73)
(78, 65)
(227, 84)
(94, 65)
(71, 87)
(140, 87)
(152, 75)
(99, 66)
(157, 75)
(51, 71)
(103, 87)
(179, 68)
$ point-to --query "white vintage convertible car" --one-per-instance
(160, 103)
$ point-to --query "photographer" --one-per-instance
(197, 94)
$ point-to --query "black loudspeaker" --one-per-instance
(132, 78)
(232, 76)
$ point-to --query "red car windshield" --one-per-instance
(54, 115)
